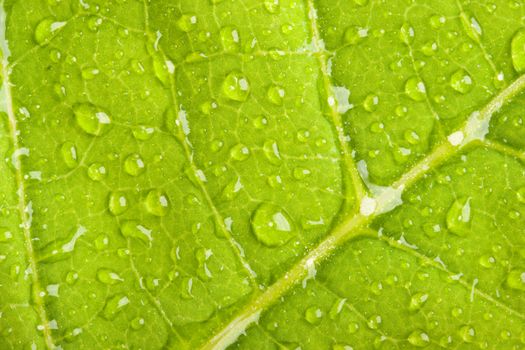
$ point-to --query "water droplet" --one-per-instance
(94, 23)
(271, 151)
(374, 322)
(118, 203)
(459, 216)
(137, 66)
(71, 277)
(272, 6)
(114, 305)
(415, 89)
(134, 165)
(406, 33)
(240, 152)
(417, 301)
(520, 195)
(91, 119)
(230, 39)
(518, 51)
(96, 172)
(437, 22)
(187, 22)
(429, 48)
(143, 133)
(487, 261)
(102, 242)
(89, 73)
(411, 137)
(354, 35)
(46, 29)
(236, 86)
(471, 26)
(467, 333)
(313, 315)
(133, 229)
(275, 95)
(353, 327)
(157, 203)
(516, 279)
(371, 102)
(419, 338)
(137, 323)
(69, 154)
(461, 81)
(272, 225)
(301, 173)
(108, 276)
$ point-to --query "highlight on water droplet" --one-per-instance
(45, 29)
(69, 154)
(239, 152)
(134, 165)
(114, 305)
(272, 225)
(91, 119)
(313, 315)
(459, 217)
(117, 203)
(419, 338)
(157, 203)
(236, 86)
(415, 89)
(461, 81)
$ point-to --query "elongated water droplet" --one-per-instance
(236, 86)
(471, 26)
(461, 81)
(406, 33)
(134, 165)
(232, 189)
(118, 203)
(415, 89)
(108, 276)
(459, 216)
(114, 305)
(45, 30)
(518, 51)
(91, 119)
(417, 301)
(271, 151)
(133, 229)
(272, 225)
(143, 133)
(230, 39)
(69, 154)
(520, 195)
(157, 203)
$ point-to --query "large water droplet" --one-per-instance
(134, 165)
(419, 339)
(157, 203)
(459, 216)
(118, 203)
(272, 225)
(46, 29)
(91, 119)
(415, 89)
(518, 51)
(461, 81)
(236, 86)
(114, 305)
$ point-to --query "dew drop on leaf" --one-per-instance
(271, 151)
(187, 22)
(406, 33)
(91, 119)
(134, 165)
(108, 276)
(133, 229)
(117, 203)
(137, 323)
(157, 203)
(459, 217)
(520, 195)
(114, 305)
(45, 29)
(417, 301)
(419, 339)
(371, 102)
(353, 327)
(467, 333)
(96, 172)
(374, 322)
(272, 6)
(487, 261)
(272, 226)
(239, 152)
(313, 315)
(236, 86)
(275, 95)
(69, 154)
(518, 51)
(516, 279)
(230, 39)
(461, 81)
(415, 89)
(143, 132)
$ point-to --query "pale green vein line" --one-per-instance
(468, 285)
(336, 117)
(23, 206)
(504, 149)
(474, 129)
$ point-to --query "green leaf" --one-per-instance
(262, 174)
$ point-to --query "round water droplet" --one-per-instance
(437, 22)
(429, 48)
(374, 322)
(467, 333)
(45, 29)
(134, 165)
(461, 81)
(417, 301)
(157, 203)
(419, 339)
(353, 327)
(313, 315)
(236, 86)
(102, 242)
(370, 103)
(518, 51)
(415, 89)
(91, 119)
(240, 152)
(69, 154)
(516, 279)
(487, 261)
(272, 6)
(96, 172)
(137, 323)
(272, 225)
(275, 95)
(143, 133)
(459, 217)
(271, 151)
(118, 203)
(230, 39)
(108, 276)
(187, 22)
(354, 35)
(89, 73)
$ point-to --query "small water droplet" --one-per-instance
(89, 73)
(45, 29)
(353, 327)
(69, 154)
(272, 225)
(240, 152)
(518, 51)
(108, 276)
(230, 39)
(133, 229)
(406, 33)
(411, 137)
(236, 86)
(520, 195)
(371, 102)
(137, 323)
(415, 89)
(96, 172)
(118, 203)
(437, 22)
(102, 242)
(417, 301)
(91, 119)
(313, 315)
(143, 133)
(461, 81)
(459, 217)
(134, 165)
(272, 6)
(467, 333)
(114, 305)
(275, 95)
(271, 151)
(187, 22)
(487, 261)
(516, 279)
(471, 26)
(374, 322)
(419, 338)
(354, 35)
(157, 203)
